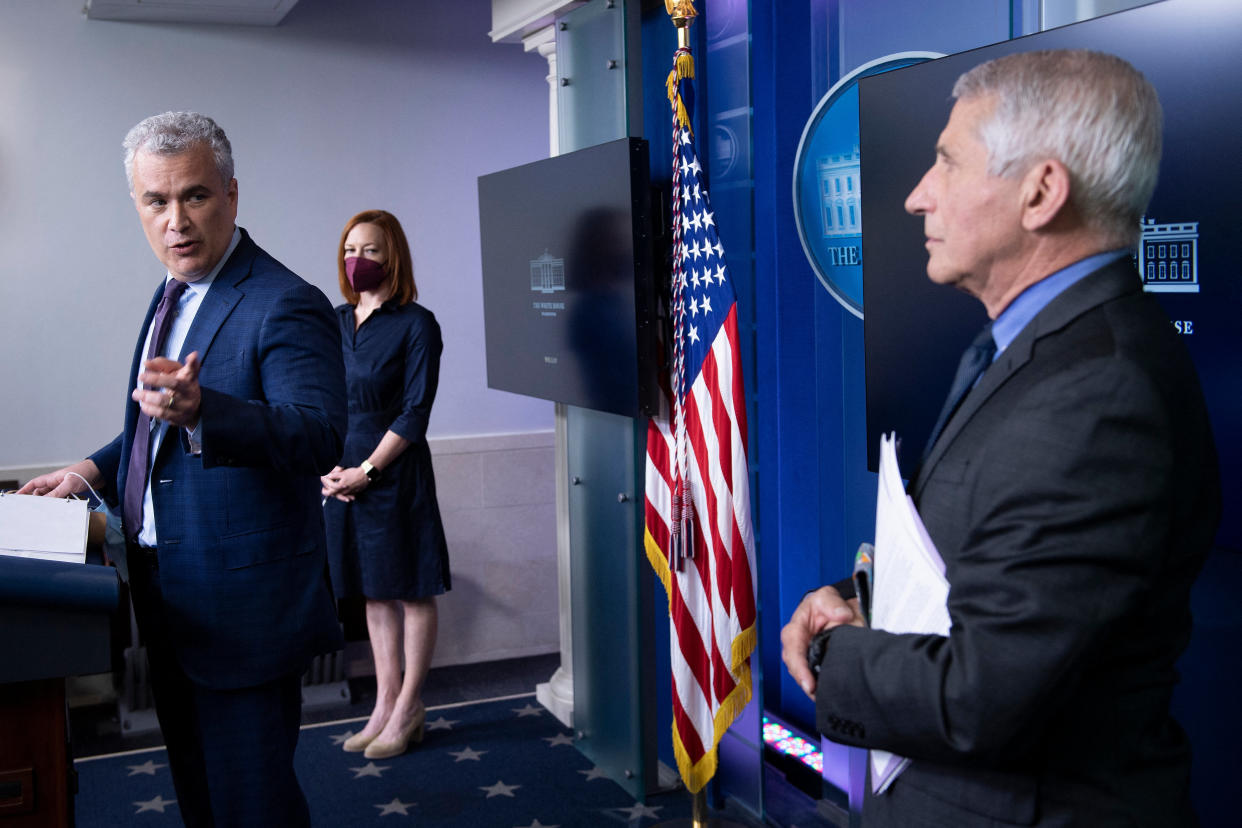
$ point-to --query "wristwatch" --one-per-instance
(370, 471)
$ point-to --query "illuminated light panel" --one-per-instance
(783, 740)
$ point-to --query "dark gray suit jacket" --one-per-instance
(1073, 496)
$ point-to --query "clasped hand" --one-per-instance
(822, 609)
(169, 391)
(344, 484)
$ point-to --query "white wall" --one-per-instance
(344, 106)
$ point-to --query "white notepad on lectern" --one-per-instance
(43, 527)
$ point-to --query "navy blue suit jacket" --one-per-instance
(240, 526)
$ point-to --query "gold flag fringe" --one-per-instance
(683, 69)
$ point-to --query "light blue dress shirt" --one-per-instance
(187, 308)
(1035, 298)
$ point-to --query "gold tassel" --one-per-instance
(683, 68)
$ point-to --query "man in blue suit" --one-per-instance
(237, 407)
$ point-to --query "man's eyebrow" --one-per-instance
(193, 189)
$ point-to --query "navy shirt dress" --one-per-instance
(388, 544)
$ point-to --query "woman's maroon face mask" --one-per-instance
(364, 274)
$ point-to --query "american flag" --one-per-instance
(698, 533)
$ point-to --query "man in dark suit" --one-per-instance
(237, 407)
(1073, 492)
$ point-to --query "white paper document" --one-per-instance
(43, 527)
(909, 591)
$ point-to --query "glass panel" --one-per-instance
(590, 63)
(611, 582)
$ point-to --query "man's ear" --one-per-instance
(1045, 193)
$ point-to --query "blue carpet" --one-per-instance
(506, 763)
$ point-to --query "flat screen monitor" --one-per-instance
(567, 278)
(915, 331)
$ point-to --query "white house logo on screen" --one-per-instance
(1168, 257)
(547, 274)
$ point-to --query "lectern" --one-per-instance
(55, 621)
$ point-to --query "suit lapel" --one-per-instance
(1103, 285)
(221, 298)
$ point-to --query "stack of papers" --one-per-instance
(43, 527)
(909, 592)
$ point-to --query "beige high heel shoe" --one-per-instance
(358, 743)
(386, 750)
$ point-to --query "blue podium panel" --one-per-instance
(55, 618)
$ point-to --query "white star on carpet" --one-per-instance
(442, 724)
(594, 773)
(559, 739)
(148, 767)
(536, 824)
(157, 804)
(528, 710)
(467, 754)
(640, 810)
(339, 738)
(499, 789)
(370, 769)
(396, 807)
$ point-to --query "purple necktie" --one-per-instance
(140, 452)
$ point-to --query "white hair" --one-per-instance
(1093, 112)
(173, 133)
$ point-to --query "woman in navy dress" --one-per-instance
(385, 537)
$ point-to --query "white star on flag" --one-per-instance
(370, 769)
(157, 804)
(528, 710)
(594, 773)
(694, 307)
(720, 271)
(442, 724)
(708, 219)
(396, 806)
(559, 739)
(466, 755)
(536, 824)
(148, 767)
(499, 789)
(693, 335)
(706, 304)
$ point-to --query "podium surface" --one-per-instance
(55, 621)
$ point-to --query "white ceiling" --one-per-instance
(249, 12)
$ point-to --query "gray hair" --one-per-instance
(1093, 112)
(173, 133)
